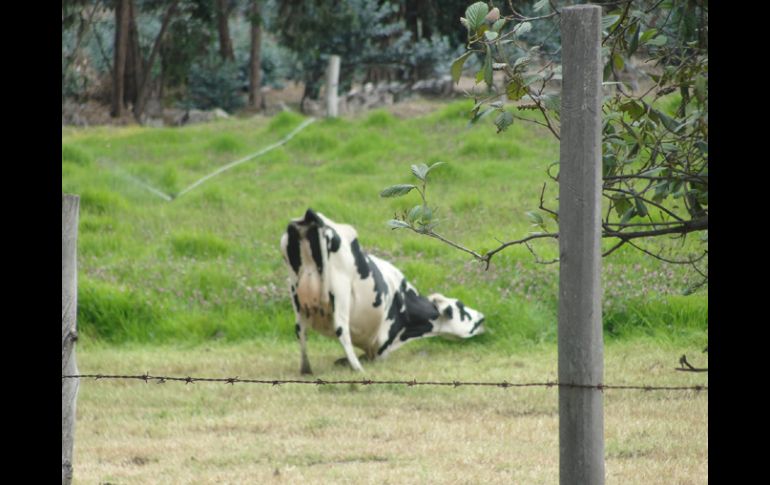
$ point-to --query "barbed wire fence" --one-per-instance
(146, 377)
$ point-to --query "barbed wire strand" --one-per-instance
(369, 382)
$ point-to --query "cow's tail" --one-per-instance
(326, 274)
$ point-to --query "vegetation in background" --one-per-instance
(655, 160)
(160, 46)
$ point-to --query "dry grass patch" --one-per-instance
(131, 432)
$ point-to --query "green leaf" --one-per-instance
(515, 90)
(420, 171)
(622, 206)
(521, 61)
(539, 5)
(661, 191)
(534, 217)
(668, 122)
(396, 224)
(498, 25)
(658, 41)
(503, 121)
(488, 68)
(420, 215)
(609, 163)
(414, 214)
(647, 35)
(490, 35)
(457, 66)
(653, 172)
(634, 43)
(522, 28)
(475, 15)
(701, 88)
(633, 108)
(552, 102)
(641, 208)
(397, 190)
(483, 114)
(628, 215)
(434, 166)
(618, 62)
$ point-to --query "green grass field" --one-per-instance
(207, 265)
(136, 433)
(197, 286)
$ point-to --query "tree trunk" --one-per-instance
(145, 85)
(121, 47)
(225, 43)
(256, 100)
(134, 68)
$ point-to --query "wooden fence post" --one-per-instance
(332, 83)
(69, 291)
(580, 340)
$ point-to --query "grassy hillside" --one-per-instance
(207, 265)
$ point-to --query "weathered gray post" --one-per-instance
(581, 353)
(332, 84)
(69, 292)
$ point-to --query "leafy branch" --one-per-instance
(655, 116)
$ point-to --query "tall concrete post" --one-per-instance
(332, 85)
(69, 292)
(581, 344)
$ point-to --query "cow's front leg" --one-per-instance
(302, 337)
(342, 301)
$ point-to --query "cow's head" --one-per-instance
(456, 320)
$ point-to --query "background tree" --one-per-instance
(223, 8)
(121, 49)
(365, 33)
(255, 59)
(655, 146)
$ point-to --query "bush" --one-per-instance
(214, 83)
(430, 57)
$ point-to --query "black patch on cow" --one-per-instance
(315, 248)
(361, 261)
(333, 243)
(331, 300)
(414, 320)
(292, 248)
(296, 329)
(379, 282)
(448, 312)
(338, 331)
(295, 299)
(463, 314)
(312, 218)
(476, 325)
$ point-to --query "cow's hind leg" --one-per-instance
(342, 325)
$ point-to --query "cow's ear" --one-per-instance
(440, 302)
(312, 218)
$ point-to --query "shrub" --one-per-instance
(213, 83)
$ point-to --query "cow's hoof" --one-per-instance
(306, 371)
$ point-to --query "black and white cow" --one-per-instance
(340, 291)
